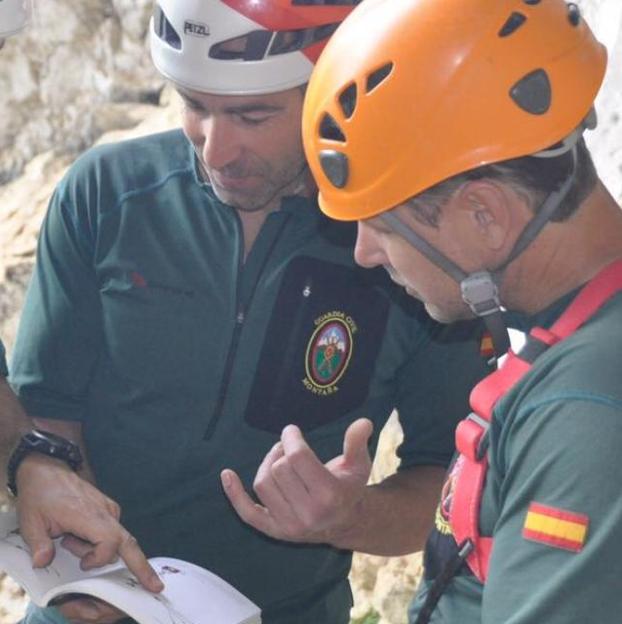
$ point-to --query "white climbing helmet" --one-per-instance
(242, 47)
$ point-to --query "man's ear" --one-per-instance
(487, 210)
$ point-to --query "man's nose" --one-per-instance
(368, 252)
(220, 142)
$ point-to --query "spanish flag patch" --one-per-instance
(555, 527)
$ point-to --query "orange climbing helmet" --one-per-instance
(408, 93)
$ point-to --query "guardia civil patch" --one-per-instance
(555, 527)
(328, 352)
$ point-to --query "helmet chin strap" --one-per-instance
(480, 290)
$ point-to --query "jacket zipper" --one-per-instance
(240, 317)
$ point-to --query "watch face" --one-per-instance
(54, 446)
(46, 443)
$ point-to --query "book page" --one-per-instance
(192, 595)
(16, 561)
(203, 597)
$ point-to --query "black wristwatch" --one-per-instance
(44, 442)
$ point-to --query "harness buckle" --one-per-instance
(465, 549)
(472, 437)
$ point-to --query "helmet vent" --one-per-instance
(531, 2)
(574, 14)
(254, 45)
(533, 92)
(258, 42)
(249, 47)
(347, 100)
(513, 23)
(164, 29)
(335, 167)
(376, 77)
(329, 129)
(325, 31)
(287, 41)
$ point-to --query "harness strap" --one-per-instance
(472, 433)
(592, 296)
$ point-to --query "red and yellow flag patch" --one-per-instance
(555, 527)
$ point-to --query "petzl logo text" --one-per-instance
(196, 29)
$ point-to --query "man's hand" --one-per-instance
(54, 501)
(89, 610)
(303, 500)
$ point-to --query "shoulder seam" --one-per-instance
(601, 399)
(152, 187)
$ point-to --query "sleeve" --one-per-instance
(3, 368)
(434, 387)
(60, 335)
(556, 555)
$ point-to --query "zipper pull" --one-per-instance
(239, 319)
(306, 291)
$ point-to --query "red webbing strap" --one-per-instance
(473, 460)
(592, 296)
(488, 391)
(471, 475)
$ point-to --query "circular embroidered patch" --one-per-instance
(328, 352)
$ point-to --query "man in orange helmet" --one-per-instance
(454, 137)
(190, 302)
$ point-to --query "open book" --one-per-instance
(192, 595)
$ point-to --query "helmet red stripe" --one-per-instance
(279, 15)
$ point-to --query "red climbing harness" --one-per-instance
(471, 434)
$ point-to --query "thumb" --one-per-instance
(35, 534)
(231, 484)
(234, 489)
(355, 442)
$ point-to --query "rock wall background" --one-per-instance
(83, 74)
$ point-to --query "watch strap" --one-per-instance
(45, 443)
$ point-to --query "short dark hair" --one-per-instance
(532, 177)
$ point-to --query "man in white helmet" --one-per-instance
(192, 313)
(76, 508)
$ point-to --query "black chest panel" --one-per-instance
(320, 348)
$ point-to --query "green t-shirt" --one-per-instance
(143, 323)
(555, 441)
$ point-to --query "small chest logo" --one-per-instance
(196, 29)
(328, 352)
